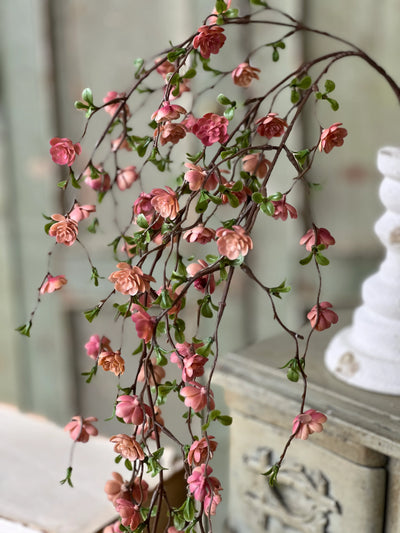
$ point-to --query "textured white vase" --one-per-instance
(367, 354)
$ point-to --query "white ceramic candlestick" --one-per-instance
(367, 354)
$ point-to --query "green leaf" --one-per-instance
(191, 73)
(210, 258)
(128, 465)
(306, 260)
(275, 55)
(93, 226)
(315, 186)
(62, 184)
(91, 314)
(305, 83)
(141, 221)
(334, 104)
(259, 3)
(225, 420)
(229, 113)
(321, 259)
(161, 328)
(294, 96)
(95, 276)
(267, 208)
(74, 181)
(302, 156)
(92, 372)
(87, 96)
(202, 204)
(189, 509)
(329, 86)
(223, 100)
(80, 105)
(257, 197)
(25, 329)
(232, 199)
(220, 6)
(138, 64)
(172, 56)
(67, 478)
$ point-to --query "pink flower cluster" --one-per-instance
(211, 128)
(205, 488)
(202, 283)
(95, 346)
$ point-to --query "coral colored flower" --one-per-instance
(126, 177)
(201, 484)
(80, 429)
(131, 409)
(142, 205)
(101, 183)
(211, 128)
(53, 283)
(170, 132)
(65, 230)
(129, 513)
(165, 68)
(189, 122)
(168, 112)
(316, 236)
(130, 280)
(283, 209)
(271, 126)
(201, 450)
(202, 283)
(256, 165)
(331, 137)
(111, 109)
(128, 447)
(144, 323)
(197, 178)
(112, 362)
(64, 151)
(94, 346)
(307, 423)
(196, 397)
(165, 202)
(209, 40)
(244, 74)
(210, 503)
(233, 242)
(155, 373)
(80, 212)
(199, 234)
(240, 195)
(116, 488)
(321, 317)
(113, 528)
(184, 350)
(193, 367)
(120, 143)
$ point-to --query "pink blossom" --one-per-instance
(203, 486)
(143, 205)
(189, 122)
(155, 373)
(94, 346)
(196, 396)
(112, 362)
(321, 317)
(144, 323)
(101, 183)
(129, 513)
(233, 242)
(170, 132)
(65, 230)
(168, 112)
(111, 109)
(64, 151)
(316, 236)
(201, 450)
(244, 74)
(165, 202)
(53, 283)
(118, 488)
(240, 195)
(112, 528)
(193, 367)
(80, 212)
(197, 178)
(126, 177)
(210, 503)
(128, 447)
(199, 234)
(256, 164)
(209, 40)
(211, 128)
(120, 143)
(307, 423)
(130, 280)
(271, 126)
(331, 137)
(202, 283)
(131, 409)
(165, 68)
(80, 429)
(283, 209)
(184, 350)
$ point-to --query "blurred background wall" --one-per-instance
(50, 51)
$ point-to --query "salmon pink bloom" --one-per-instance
(127, 446)
(112, 528)
(165, 202)
(170, 132)
(244, 74)
(201, 450)
(80, 429)
(199, 234)
(201, 283)
(94, 346)
(155, 373)
(129, 513)
(331, 137)
(130, 280)
(210, 503)
(112, 362)
(209, 40)
(240, 195)
(120, 143)
(64, 151)
(256, 165)
(316, 236)
(65, 230)
(126, 177)
(283, 209)
(196, 397)
(165, 68)
(197, 178)
(111, 109)
(80, 212)
(233, 242)
(307, 423)
(201, 484)
(142, 205)
(53, 283)
(168, 112)
(101, 183)
(144, 323)
(322, 317)
(189, 122)
(131, 409)
(193, 367)
(271, 126)
(211, 128)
